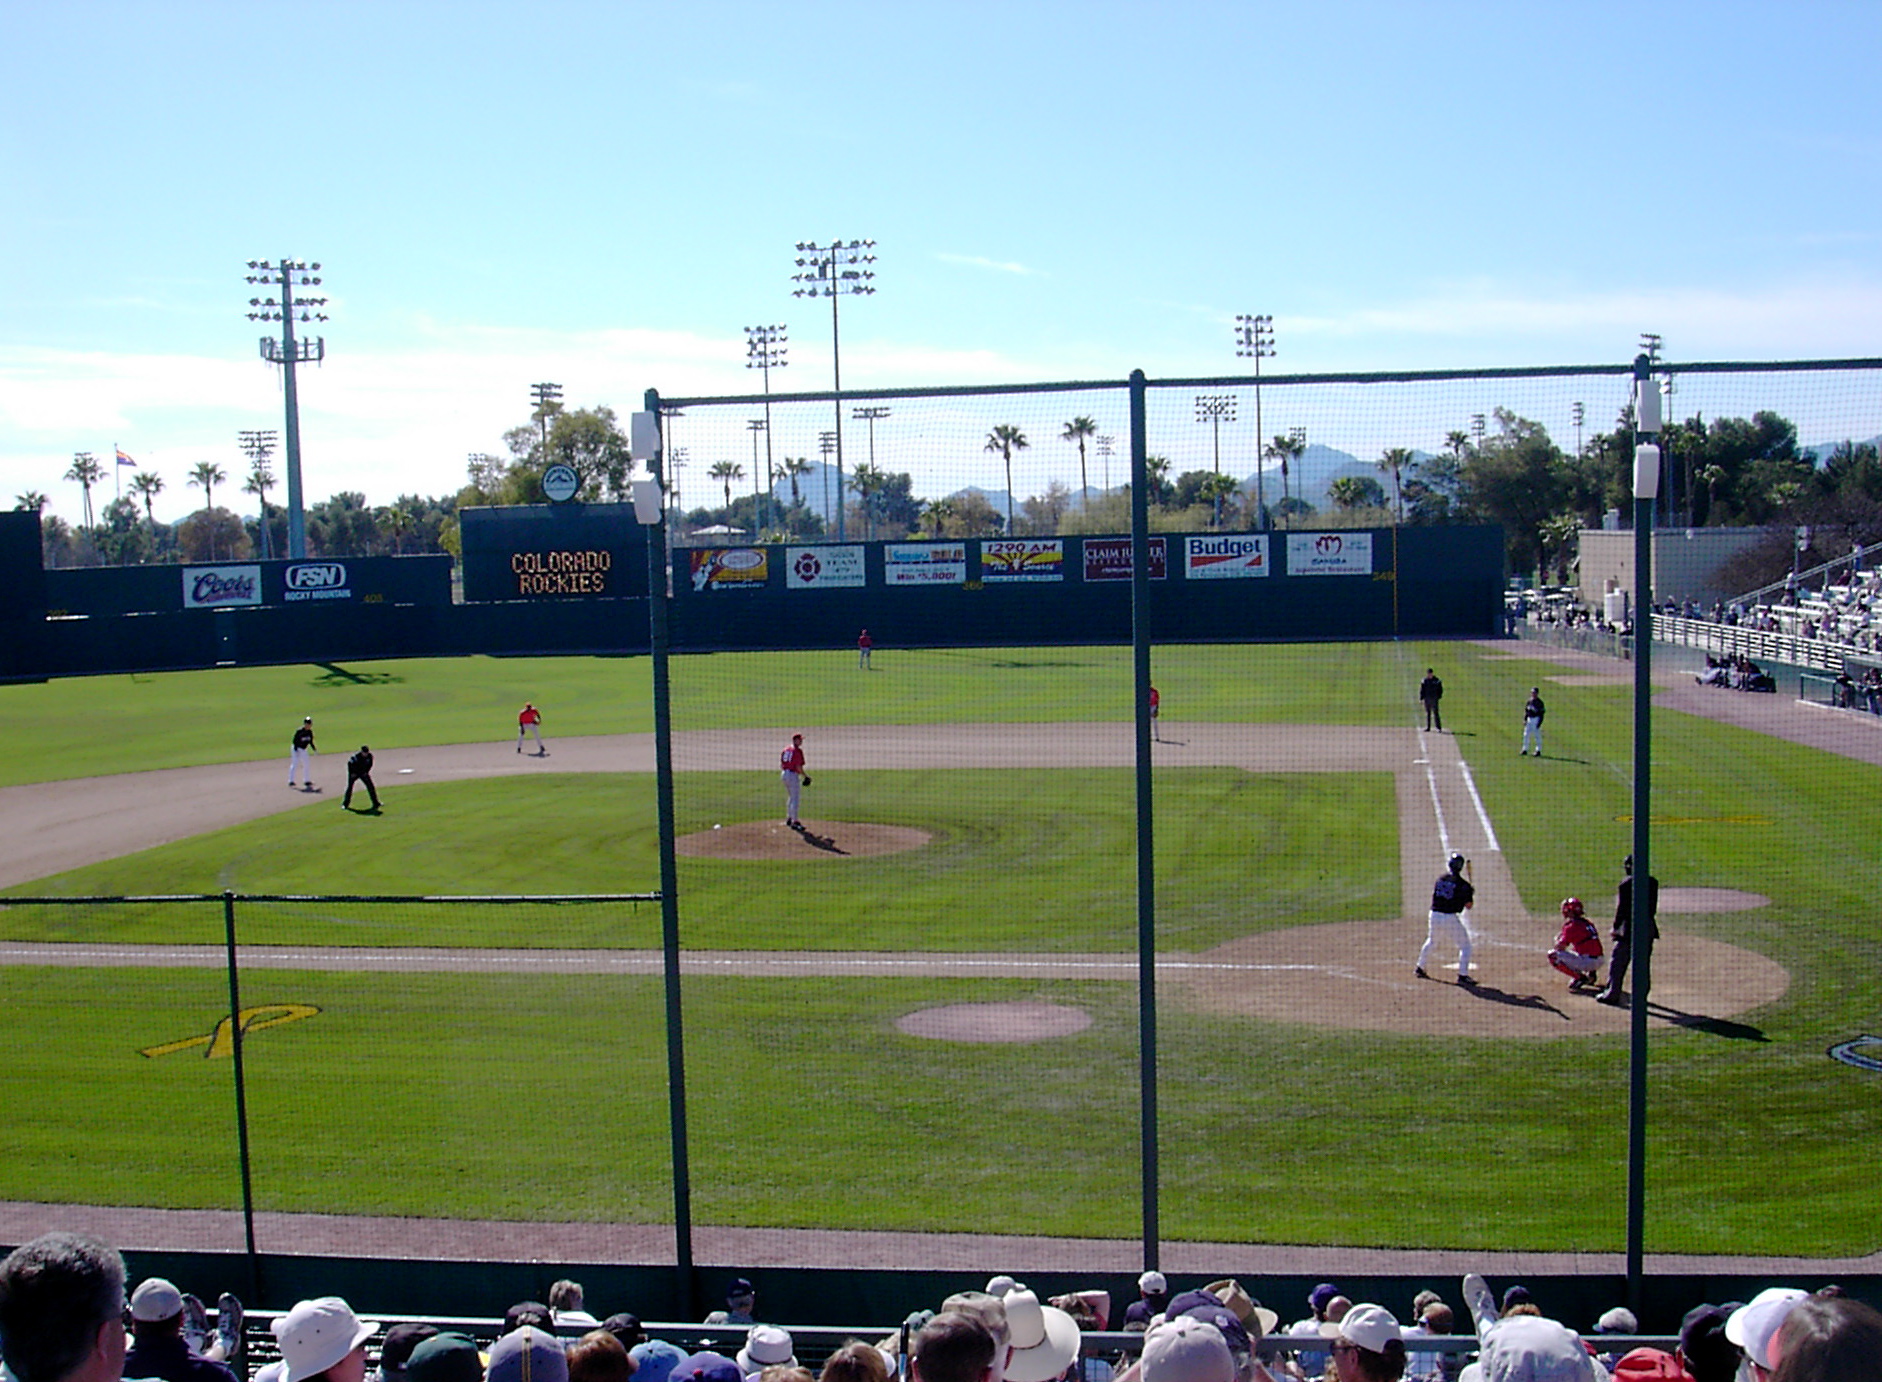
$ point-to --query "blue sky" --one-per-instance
(603, 195)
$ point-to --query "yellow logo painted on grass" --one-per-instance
(221, 1042)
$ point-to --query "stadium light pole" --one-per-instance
(1254, 340)
(766, 347)
(258, 447)
(1476, 430)
(287, 275)
(548, 400)
(827, 444)
(755, 426)
(1212, 408)
(833, 270)
(1105, 448)
(1646, 491)
(1580, 413)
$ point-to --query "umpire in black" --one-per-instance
(1622, 934)
(359, 770)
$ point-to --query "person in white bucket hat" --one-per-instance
(323, 1338)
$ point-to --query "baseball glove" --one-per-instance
(806, 779)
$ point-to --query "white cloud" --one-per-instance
(975, 261)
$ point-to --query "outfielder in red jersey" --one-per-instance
(1577, 951)
(791, 773)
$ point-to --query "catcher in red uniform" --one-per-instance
(1577, 951)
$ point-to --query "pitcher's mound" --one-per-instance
(995, 1022)
(770, 840)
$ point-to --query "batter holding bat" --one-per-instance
(1451, 897)
(791, 773)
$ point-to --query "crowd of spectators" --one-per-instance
(65, 1316)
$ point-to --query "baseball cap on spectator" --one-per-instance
(527, 1354)
(707, 1366)
(655, 1360)
(1320, 1295)
(741, 1289)
(1184, 1301)
(1619, 1320)
(1153, 1284)
(1532, 1348)
(528, 1312)
(1515, 1296)
(400, 1340)
(1255, 1317)
(1372, 1327)
(1648, 1365)
(625, 1327)
(446, 1357)
(765, 1346)
(1708, 1355)
(1044, 1338)
(316, 1334)
(1183, 1349)
(1226, 1325)
(1752, 1325)
(155, 1299)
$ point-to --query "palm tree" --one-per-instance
(147, 485)
(792, 470)
(1351, 492)
(1285, 448)
(869, 480)
(1006, 439)
(207, 475)
(31, 502)
(1077, 430)
(1215, 489)
(260, 481)
(726, 472)
(1393, 463)
(935, 513)
(87, 471)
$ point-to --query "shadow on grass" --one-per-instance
(334, 675)
(1711, 1026)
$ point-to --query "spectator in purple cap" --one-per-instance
(395, 1350)
(656, 1360)
(1704, 1351)
(1829, 1339)
(741, 1298)
(527, 1355)
(1153, 1298)
(1312, 1362)
(707, 1366)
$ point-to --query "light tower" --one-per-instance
(548, 401)
(765, 346)
(1106, 445)
(258, 447)
(833, 270)
(1254, 340)
(287, 275)
(827, 443)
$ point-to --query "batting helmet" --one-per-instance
(1457, 863)
(1571, 907)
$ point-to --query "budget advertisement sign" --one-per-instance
(823, 568)
(1040, 560)
(1225, 556)
(1329, 554)
(925, 563)
(1109, 558)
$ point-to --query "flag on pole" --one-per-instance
(122, 458)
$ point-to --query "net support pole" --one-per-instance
(660, 636)
(241, 1096)
(1640, 924)
(1146, 850)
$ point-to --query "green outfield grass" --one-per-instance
(809, 1108)
(1039, 860)
(539, 1097)
(93, 726)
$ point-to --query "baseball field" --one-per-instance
(921, 1013)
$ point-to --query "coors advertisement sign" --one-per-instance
(212, 587)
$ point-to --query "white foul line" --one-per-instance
(1477, 801)
(1444, 833)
